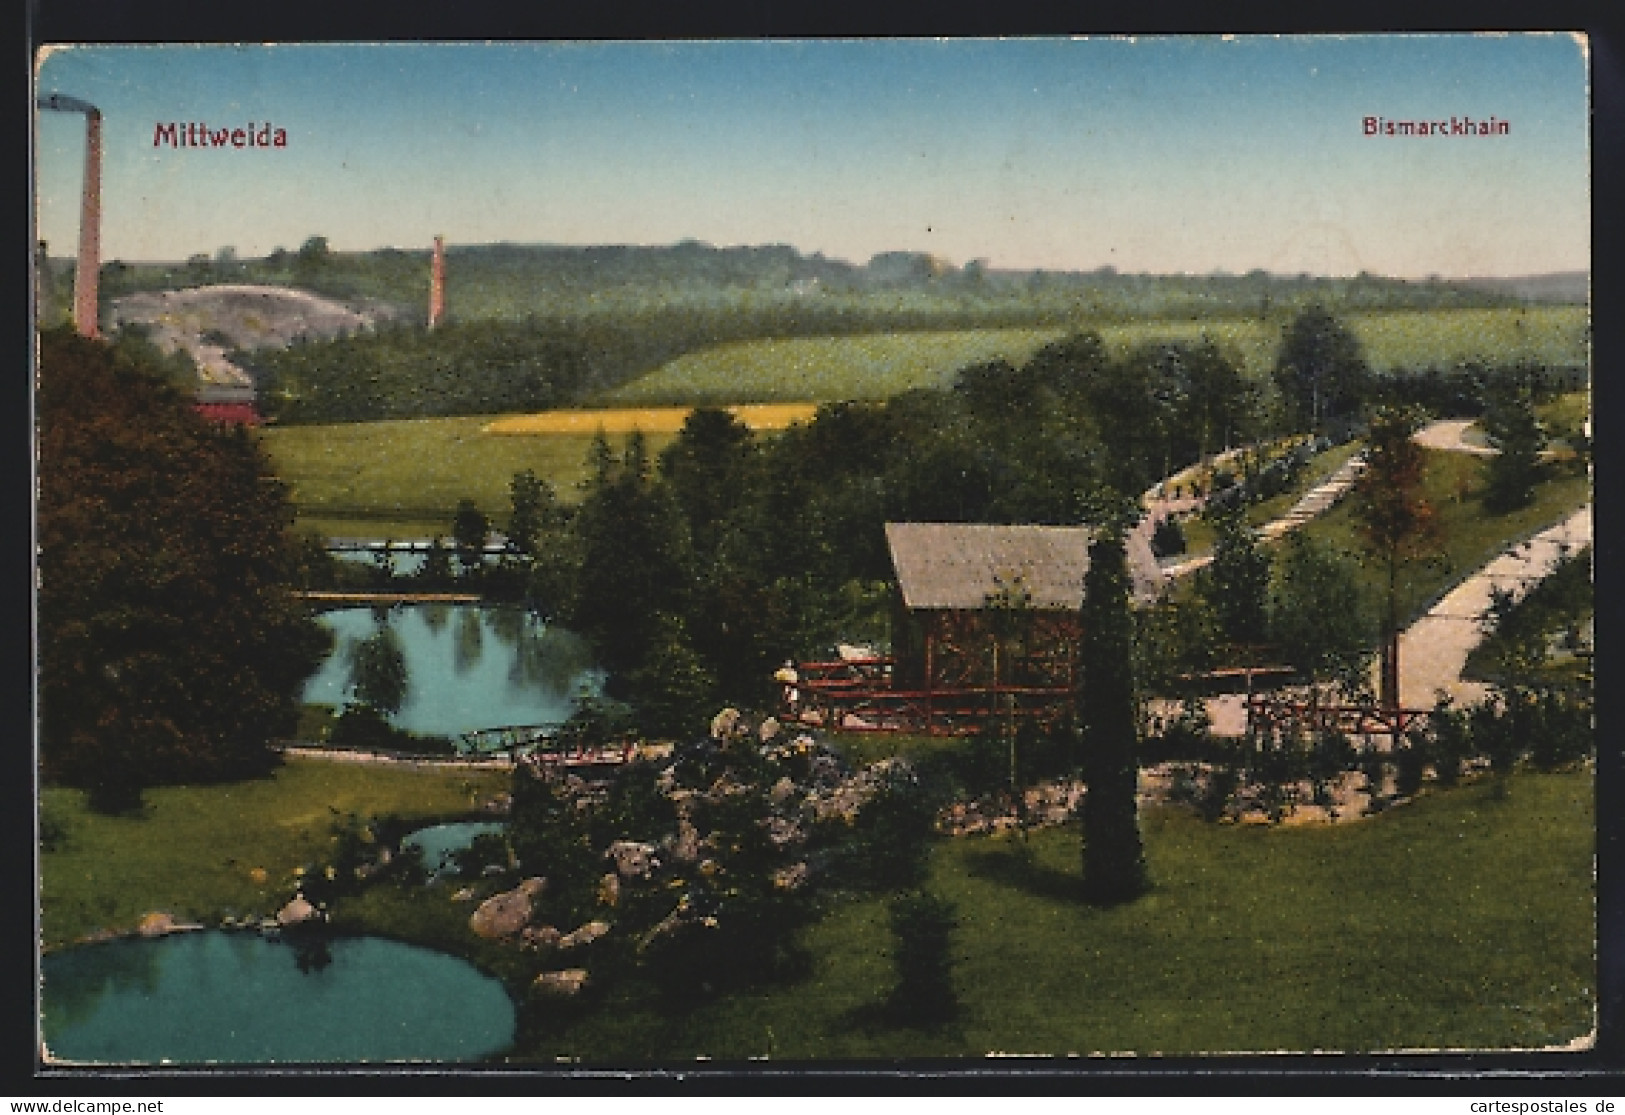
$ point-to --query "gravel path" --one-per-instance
(1433, 650)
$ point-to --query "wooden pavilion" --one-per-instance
(986, 621)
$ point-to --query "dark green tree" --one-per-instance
(1236, 585)
(1113, 856)
(170, 647)
(1514, 430)
(469, 530)
(1318, 617)
(533, 509)
(707, 470)
(1321, 370)
(633, 568)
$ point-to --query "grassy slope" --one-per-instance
(1470, 535)
(1460, 921)
(1199, 533)
(403, 479)
(192, 851)
(879, 365)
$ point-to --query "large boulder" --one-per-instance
(506, 914)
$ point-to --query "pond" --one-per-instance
(440, 843)
(467, 666)
(239, 998)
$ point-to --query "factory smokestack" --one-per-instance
(437, 283)
(87, 274)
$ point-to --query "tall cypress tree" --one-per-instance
(1113, 858)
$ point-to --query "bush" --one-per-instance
(1450, 742)
(922, 925)
(891, 840)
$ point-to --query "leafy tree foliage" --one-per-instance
(1236, 585)
(1395, 521)
(1113, 856)
(1510, 421)
(1318, 616)
(469, 530)
(170, 647)
(1321, 371)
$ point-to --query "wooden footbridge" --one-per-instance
(319, 596)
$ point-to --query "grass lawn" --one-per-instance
(1469, 535)
(402, 479)
(194, 850)
(1460, 921)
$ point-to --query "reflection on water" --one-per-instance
(467, 666)
(239, 998)
(470, 640)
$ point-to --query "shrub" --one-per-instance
(1450, 743)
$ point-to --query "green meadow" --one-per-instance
(402, 479)
(204, 852)
(878, 365)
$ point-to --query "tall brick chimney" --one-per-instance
(437, 283)
(87, 275)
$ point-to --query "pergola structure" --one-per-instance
(986, 622)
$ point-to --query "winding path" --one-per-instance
(1433, 650)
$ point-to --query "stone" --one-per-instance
(792, 877)
(504, 915)
(584, 935)
(564, 982)
(725, 723)
(466, 894)
(609, 889)
(633, 858)
(768, 730)
(540, 937)
(296, 912)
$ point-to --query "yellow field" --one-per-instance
(651, 420)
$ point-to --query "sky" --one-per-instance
(1148, 155)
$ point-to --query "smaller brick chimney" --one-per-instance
(437, 283)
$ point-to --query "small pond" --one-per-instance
(239, 998)
(467, 666)
(441, 842)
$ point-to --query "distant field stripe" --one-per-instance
(880, 365)
(661, 420)
(866, 366)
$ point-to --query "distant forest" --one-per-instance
(517, 281)
(534, 326)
